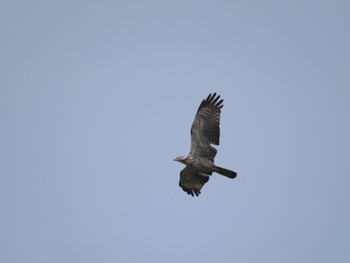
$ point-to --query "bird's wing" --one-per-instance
(205, 128)
(192, 181)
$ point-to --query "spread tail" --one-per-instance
(225, 172)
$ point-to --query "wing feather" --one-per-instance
(205, 128)
(192, 181)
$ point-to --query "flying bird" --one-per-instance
(199, 163)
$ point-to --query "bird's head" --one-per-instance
(181, 159)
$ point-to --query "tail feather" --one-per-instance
(225, 172)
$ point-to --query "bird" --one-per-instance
(205, 131)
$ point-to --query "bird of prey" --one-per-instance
(199, 163)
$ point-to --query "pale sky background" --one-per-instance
(97, 99)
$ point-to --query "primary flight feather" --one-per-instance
(199, 163)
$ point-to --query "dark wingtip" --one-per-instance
(212, 100)
(190, 191)
(215, 100)
(209, 97)
(193, 192)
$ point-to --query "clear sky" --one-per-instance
(97, 99)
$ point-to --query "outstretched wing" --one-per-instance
(192, 181)
(205, 128)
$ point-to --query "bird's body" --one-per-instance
(199, 163)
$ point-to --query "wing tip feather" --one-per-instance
(189, 191)
(212, 101)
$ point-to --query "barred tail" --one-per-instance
(225, 172)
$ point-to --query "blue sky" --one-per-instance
(97, 99)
